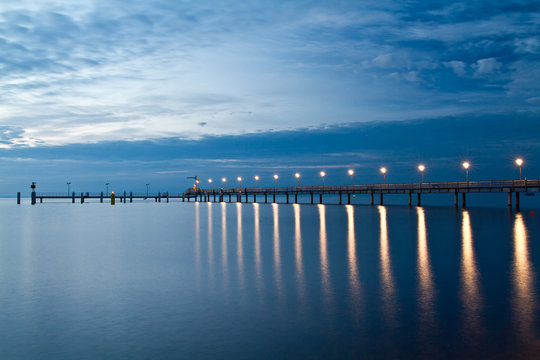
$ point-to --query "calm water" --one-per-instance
(245, 281)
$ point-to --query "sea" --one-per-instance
(199, 280)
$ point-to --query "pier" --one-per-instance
(316, 194)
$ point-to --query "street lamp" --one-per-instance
(224, 180)
(239, 180)
(257, 179)
(197, 184)
(68, 187)
(147, 185)
(383, 171)
(297, 176)
(422, 168)
(210, 181)
(276, 177)
(107, 188)
(323, 174)
(466, 166)
(351, 173)
(519, 162)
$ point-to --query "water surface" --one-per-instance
(244, 281)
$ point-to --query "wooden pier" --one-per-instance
(317, 193)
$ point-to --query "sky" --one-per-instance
(135, 92)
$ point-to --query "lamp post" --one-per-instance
(519, 162)
(297, 176)
(257, 180)
(383, 171)
(323, 174)
(239, 180)
(147, 185)
(351, 173)
(68, 187)
(224, 180)
(466, 166)
(107, 188)
(210, 181)
(422, 168)
(276, 177)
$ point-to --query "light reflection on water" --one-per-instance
(470, 291)
(278, 281)
(524, 296)
(426, 291)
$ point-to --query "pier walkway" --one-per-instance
(316, 193)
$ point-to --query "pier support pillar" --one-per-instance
(287, 195)
(464, 199)
(320, 198)
(349, 199)
(247, 197)
(229, 197)
(419, 199)
(311, 197)
(214, 197)
(517, 201)
(510, 199)
(340, 201)
(82, 198)
(101, 197)
(265, 198)
(410, 198)
(131, 197)
(254, 197)
(381, 200)
(73, 197)
(124, 197)
(296, 198)
(274, 198)
(455, 198)
(41, 200)
(19, 198)
(371, 201)
(113, 198)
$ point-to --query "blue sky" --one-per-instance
(131, 92)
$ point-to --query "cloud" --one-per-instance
(457, 66)
(100, 71)
(486, 66)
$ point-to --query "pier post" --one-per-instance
(229, 197)
(254, 197)
(124, 197)
(239, 197)
(265, 198)
(455, 198)
(101, 197)
(214, 196)
(419, 199)
(113, 198)
(131, 196)
(464, 199)
(410, 198)
(246, 195)
(82, 198)
(159, 197)
(320, 198)
(510, 199)
(371, 202)
(381, 200)
(73, 197)
(517, 201)
(311, 193)
(349, 199)
(41, 200)
(296, 198)
(287, 195)
(274, 198)
(19, 198)
(340, 198)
